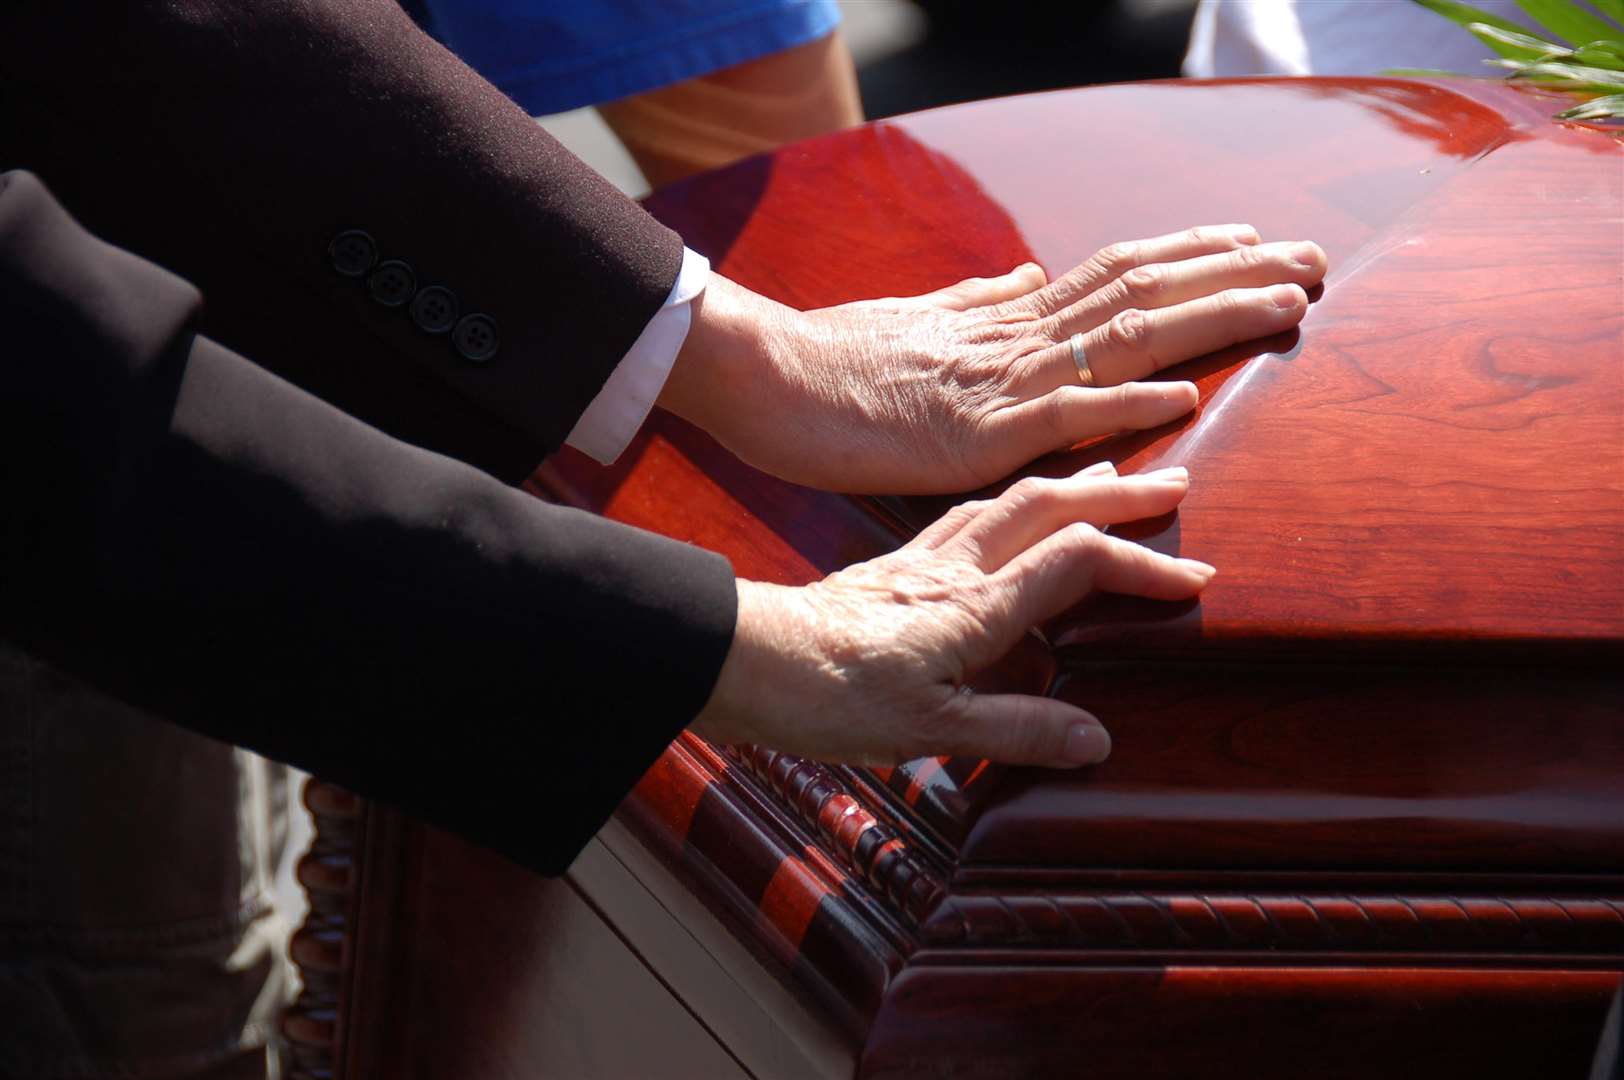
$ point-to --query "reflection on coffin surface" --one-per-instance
(1365, 812)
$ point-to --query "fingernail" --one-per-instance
(1286, 297)
(1173, 472)
(1183, 394)
(1306, 255)
(1204, 569)
(1244, 233)
(1099, 468)
(1087, 744)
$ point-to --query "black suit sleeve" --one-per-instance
(232, 142)
(202, 539)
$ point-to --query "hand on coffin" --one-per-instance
(954, 389)
(868, 665)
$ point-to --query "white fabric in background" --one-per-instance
(1334, 37)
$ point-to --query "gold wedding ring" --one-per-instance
(1078, 357)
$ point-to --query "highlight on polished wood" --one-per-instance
(1365, 811)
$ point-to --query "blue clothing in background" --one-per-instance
(552, 55)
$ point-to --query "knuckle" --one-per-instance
(1209, 236)
(970, 510)
(1144, 284)
(1206, 236)
(1128, 331)
(1076, 280)
(1114, 258)
(1082, 537)
(1123, 397)
(1023, 736)
(977, 601)
(1057, 413)
(1232, 303)
(1250, 257)
(1028, 491)
(1035, 739)
(937, 728)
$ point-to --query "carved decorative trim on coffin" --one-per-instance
(875, 850)
(1305, 922)
(320, 946)
(1173, 920)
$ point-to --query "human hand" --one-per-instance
(867, 666)
(954, 389)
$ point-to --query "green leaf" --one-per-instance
(1565, 76)
(1574, 73)
(1613, 9)
(1595, 65)
(1603, 54)
(1602, 108)
(1515, 46)
(1466, 15)
(1568, 20)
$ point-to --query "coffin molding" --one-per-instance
(1364, 814)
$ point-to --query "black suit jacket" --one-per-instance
(200, 538)
(233, 142)
(208, 542)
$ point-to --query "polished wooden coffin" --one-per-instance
(1365, 813)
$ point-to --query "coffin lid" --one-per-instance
(1416, 505)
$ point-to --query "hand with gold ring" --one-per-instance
(956, 388)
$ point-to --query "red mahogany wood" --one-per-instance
(1327, 713)
(1365, 813)
(1407, 473)
(1228, 1024)
(1330, 768)
(1426, 430)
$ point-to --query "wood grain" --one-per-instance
(1245, 1024)
(1365, 813)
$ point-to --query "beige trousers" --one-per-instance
(716, 119)
(137, 932)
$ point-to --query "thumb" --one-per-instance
(979, 292)
(1018, 729)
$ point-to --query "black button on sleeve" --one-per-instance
(352, 253)
(434, 309)
(476, 338)
(392, 283)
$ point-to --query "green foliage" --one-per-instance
(1587, 55)
(1602, 108)
(1515, 46)
(1568, 20)
(1602, 54)
(1466, 15)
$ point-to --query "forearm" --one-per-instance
(729, 356)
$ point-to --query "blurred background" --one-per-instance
(916, 54)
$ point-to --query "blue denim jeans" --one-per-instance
(138, 937)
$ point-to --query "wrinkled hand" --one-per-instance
(954, 389)
(867, 665)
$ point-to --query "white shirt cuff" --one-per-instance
(614, 416)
